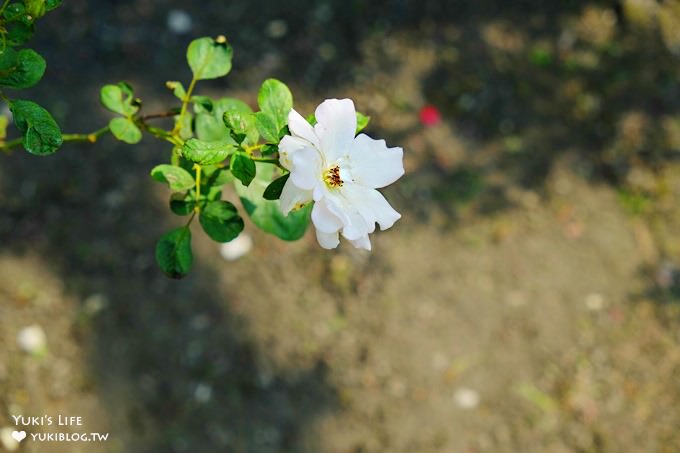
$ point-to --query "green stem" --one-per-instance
(198, 169)
(91, 137)
(191, 219)
(175, 156)
(267, 160)
(8, 146)
(161, 134)
(185, 104)
(250, 149)
(153, 116)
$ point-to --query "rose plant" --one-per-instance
(285, 168)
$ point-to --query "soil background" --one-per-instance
(526, 302)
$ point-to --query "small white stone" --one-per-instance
(466, 398)
(594, 301)
(203, 393)
(231, 251)
(95, 303)
(32, 339)
(179, 21)
(6, 439)
(200, 322)
(277, 28)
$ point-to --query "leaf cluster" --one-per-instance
(215, 142)
(21, 68)
(219, 142)
(223, 142)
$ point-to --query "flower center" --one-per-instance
(332, 177)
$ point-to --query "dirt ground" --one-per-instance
(526, 302)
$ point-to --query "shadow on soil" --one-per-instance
(170, 358)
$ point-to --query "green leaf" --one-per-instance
(242, 126)
(232, 104)
(210, 126)
(119, 99)
(216, 176)
(173, 252)
(36, 8)
(202, 103)
(266, 127)
(362, 122)
(21, 69)
(125, 130)
(267, 214)
(276, 100)
(177, 89)
(52, 4)
(269, 149)
(41, 134)
(273, 190)
(210, 129)
(207, 153)
(19, 32)
(182, 204)
(242, 167)
(176, 178)
(27, 19)
(209, 58)
(14, 11)
(221, 221)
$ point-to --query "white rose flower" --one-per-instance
(340, 173)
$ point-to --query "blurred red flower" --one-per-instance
(429, 115)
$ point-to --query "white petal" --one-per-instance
(292, 195)
(319, 192)
(362, 243)
(305, 171)
(373, 163)
(301, 128)
(355, 227)
(372, 206)
(335, 127)
(327, 240)
(324, 218)
(288, 146)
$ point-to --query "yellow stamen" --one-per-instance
(332, 177)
